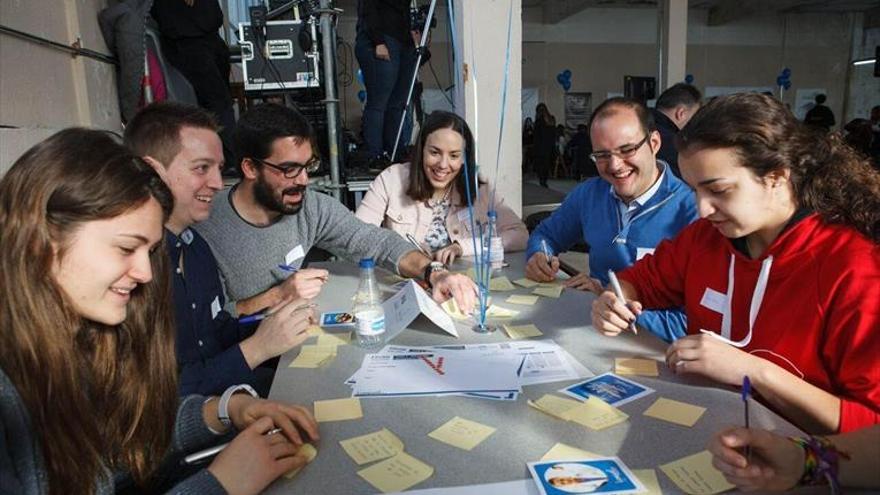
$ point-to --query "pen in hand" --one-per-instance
(546, 249)
(208, 453)
(412, 240)
(746, 391)
(266, 314)
(618, 291)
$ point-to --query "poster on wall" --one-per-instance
(805, 99)
(578, 107)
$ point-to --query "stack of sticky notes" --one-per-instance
(334, 339)
(398, 470)
(501, 284)
(524, 282)
(309, 452)
(636, 366)
(696, 475)
(548, 290)
(594, 413)
(314, 356)
(497, 312)
(516, 332)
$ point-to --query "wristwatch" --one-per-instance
(223, 406)
(434, 266)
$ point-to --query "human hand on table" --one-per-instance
(457, 286)
(305, 283)
(255, 458)
(584, 282)
(245, 410)
(284, 329)
(539, 270)
(707, 356)
(448, 254)
(611, 316)
(776, 464)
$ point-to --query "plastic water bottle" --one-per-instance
(368, 313)
(495, 244)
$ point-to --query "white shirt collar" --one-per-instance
(647, 195)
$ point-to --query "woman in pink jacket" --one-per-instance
(426, 198)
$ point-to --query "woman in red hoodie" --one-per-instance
(780, 277)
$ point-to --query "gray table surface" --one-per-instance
(523, 433)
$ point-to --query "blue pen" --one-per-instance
(288, 268)
(746, 390)
(244, 320)
(546, 249)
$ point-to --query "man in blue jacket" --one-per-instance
(214, 351)
(635, 203)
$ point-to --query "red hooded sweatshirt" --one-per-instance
(816, 310)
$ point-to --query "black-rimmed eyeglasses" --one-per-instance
(624, 152)
(291, 170)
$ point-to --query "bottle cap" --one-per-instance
(367, 263)
(493, 214)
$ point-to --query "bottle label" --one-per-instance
(370, 323)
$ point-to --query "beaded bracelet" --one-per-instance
(821, 462)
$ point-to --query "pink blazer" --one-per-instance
(386, 204)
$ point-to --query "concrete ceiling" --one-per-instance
(720, 11)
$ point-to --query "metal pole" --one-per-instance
(415, 75)
(328, 40)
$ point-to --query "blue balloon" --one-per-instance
(780, 81)
(689, 78)
(787, 84)
(786, 72)
(360, 77)
(560, 78)
(362, 96)
(566, 85)
(566, 73)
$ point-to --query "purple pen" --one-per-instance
(746, 391)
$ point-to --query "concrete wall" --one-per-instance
(42, 89)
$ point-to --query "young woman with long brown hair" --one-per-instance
(780, 279)
(88, 379)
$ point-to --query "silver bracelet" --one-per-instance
(223, 407)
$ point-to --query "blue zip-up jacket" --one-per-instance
(590, 214)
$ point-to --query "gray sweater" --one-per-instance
(21, 458)
(249, 255)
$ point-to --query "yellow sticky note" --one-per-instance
(648, 477)
(497, 312)
(334, 338)
(524, 282)
(549, 290)
(452, 310)
(397, 474)
(596, 414)
(310, 452)
(314, 331)
(675, 412)
(462, 433)
(554, 406)
(563, 452)
(501, 284)
(636, 366)
(696, 475)
(522, 331)
(338, 409)
(521, 299)
(313, 356)
(372, 447)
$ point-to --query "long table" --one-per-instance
(523, 433)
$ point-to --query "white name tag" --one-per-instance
(714, 300)
(642, 252)
(294, 254)
(215, 307)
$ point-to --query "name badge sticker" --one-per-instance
(642, 252)
(215, 307)
(294, 254)
(713, 300)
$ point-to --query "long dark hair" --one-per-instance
(97, 395)
(828, 176)
(420, 188)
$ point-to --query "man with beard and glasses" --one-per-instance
(263, 227)
(214, 351)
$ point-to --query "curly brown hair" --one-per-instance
(827, 175)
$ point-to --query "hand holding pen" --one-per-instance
(304, 283)
(542, 265)
(612, 313)
(282, 328)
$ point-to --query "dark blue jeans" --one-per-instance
(387, 84)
